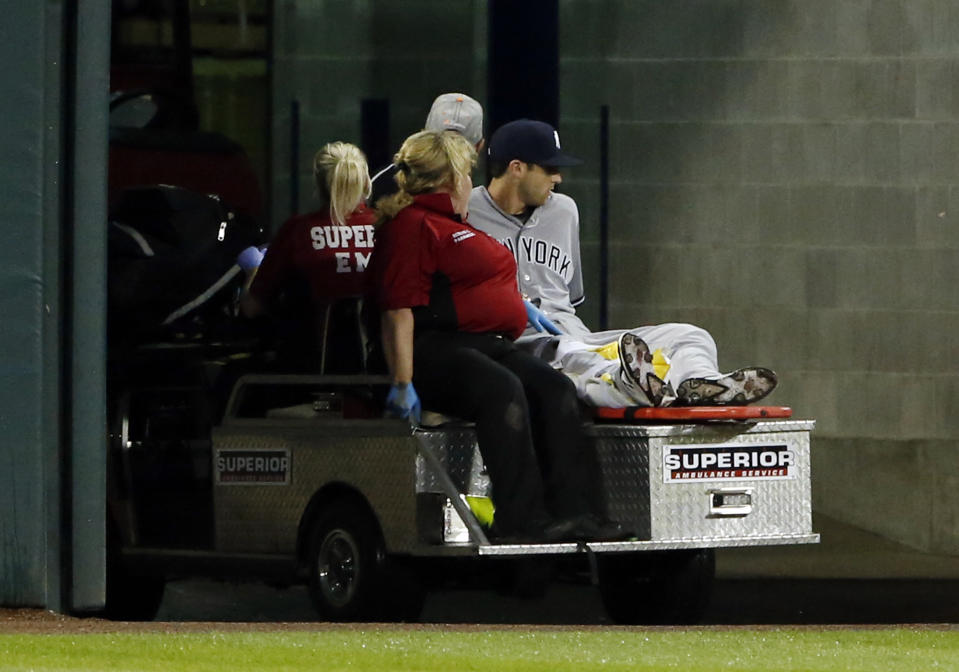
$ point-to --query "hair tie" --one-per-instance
(403, 166)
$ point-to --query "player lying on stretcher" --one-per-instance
(662, 365)
(658, 365)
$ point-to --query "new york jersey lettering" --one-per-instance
(541, 253)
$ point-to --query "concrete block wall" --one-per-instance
(331, 54)
(784, 173)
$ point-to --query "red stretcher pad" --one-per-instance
(693, 413)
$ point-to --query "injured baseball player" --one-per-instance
(657, 365)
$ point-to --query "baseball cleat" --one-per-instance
(741, 387)
(636, 362)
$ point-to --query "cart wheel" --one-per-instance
(657, 588)
(404, 594)
(130, 597)
(350, 577)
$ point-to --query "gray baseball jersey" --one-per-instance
(546, 249)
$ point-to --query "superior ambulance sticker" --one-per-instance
(682, 464)
(252, 467)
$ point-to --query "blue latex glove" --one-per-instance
(249, 258)
(403, 402)
(539, 320)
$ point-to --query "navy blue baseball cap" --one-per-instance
(531, 142)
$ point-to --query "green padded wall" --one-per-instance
(52, 299)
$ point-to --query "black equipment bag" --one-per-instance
(172, 262)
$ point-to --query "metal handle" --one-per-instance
(730, 502)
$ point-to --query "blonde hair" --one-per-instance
(428, 161)
(342, 178)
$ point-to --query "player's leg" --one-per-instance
(691, 350)
(599, 380)
(694, 369)
(596, 369)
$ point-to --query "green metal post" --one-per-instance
(86, 276)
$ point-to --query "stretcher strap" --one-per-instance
(204, 297)
(137, 238)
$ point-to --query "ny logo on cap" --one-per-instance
(556, 135)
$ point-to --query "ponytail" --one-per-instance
(342, 178)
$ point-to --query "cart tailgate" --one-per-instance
(708, 482)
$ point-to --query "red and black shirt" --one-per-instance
(453, 276)
(332, 259)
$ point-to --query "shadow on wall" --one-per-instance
(419, 54)
(782, 174)
(663, 68)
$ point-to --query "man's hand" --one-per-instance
(403, 402)
(539, 320)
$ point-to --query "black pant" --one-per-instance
(517, 402)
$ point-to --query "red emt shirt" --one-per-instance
(330, 258)
(427, 257)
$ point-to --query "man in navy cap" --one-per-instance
(655, 365)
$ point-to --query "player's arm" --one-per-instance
(397, 334)
(577, 293)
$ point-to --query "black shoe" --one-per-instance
(550, 531)
(561, 530)
(584, 527)
(594, 528)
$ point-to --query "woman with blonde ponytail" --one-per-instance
(450, 312)
(342, 179)
(328, 249)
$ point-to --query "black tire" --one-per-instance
(130, 597)
(350, 577)
(530, 577)
(657, 588)
(404, 592)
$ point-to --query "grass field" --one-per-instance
(443, 650)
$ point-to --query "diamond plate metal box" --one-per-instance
(375, 458)
(708, 482)
(729, 483)
(457, 450)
